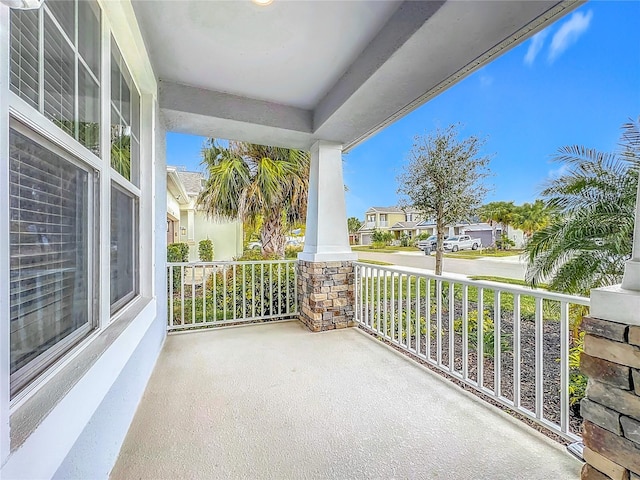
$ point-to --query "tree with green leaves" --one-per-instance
(587, 244)
(497, 213)
(257, 183)
(531, 217)
(444, 180)
(353, 225)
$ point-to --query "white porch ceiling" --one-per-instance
(297, 71)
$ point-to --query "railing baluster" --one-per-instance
(408, 313)
(379, 302)
(465, 332)
(480, 337)
(215, 293)
(244, 291)
(171, 294)
(516, 350)
(224, 293)
(497, 375)
(279, 288)
(253, 290)
(439, 322)
(193, 294)
(182, 295)
(204, 294)
(270, 289)
(539, 358)
(372, 298)
(386, 306)
(418, 316)
(235, 293)
(392, 307)
(399, 322)
(452, 304)
(564, 366)
(427, 306)
(262, 289)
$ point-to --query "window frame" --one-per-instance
(26, 374)
(37, 124)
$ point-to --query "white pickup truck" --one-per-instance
(462, 242)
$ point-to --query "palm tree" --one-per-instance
(531, 217)
(255, 182)
(497, 213)
(587, 245)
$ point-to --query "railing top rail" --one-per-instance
(230, 262)
(503, 287)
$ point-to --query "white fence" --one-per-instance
(515, 344)
(217, 293)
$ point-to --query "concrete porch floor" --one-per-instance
(276, 401)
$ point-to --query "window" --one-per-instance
(51, 253)
(125, 119)
(55, 65)
(124, 259)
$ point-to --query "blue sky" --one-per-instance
(575, 83)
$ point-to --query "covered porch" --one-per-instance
(277, 401)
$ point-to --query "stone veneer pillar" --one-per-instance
(325, 292)
(611, 408)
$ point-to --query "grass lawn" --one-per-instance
(375, 262)
(483, 253)
(387, 249)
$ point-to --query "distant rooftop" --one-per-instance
(192, 181)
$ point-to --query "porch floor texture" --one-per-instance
(277, 401)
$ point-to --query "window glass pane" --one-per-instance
(88, 111)
(125, 119)
(49, 253)
(89, 34)
(59, 81)
(124, 266)
(25, 55)
(64, 13)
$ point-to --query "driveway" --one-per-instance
(509, 267)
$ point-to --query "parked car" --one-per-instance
(431, 242)
(462, 242)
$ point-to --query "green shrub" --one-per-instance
(404, 240)
(488, 336)
(378, 245)
(505, 243)
(205, 250)
(423, 236)
(292, 252)
(177, 252)
(577, 381)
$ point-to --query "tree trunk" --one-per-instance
(272, 236)
(494, 227)
(440, 226)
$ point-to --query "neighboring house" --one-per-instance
(186, 223)
(393, 219)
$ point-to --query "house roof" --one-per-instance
(192, 181)
(404, 226)
(391, 210)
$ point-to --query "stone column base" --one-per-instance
(325, 291)
(611, 407)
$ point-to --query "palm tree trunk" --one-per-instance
(272, 236)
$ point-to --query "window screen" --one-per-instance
(50, 255)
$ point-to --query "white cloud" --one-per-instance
(569, 33)
(535, 45)
(558, 172)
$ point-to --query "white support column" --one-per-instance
(4, 235)
(326, 237)
(621, 303)
(191, 225)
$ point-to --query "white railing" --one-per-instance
(370, 224)
(218, 293)
(517, 351)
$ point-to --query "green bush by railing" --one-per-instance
(205, 250)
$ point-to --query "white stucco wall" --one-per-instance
(226, 237)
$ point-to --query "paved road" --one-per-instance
(509, 267)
